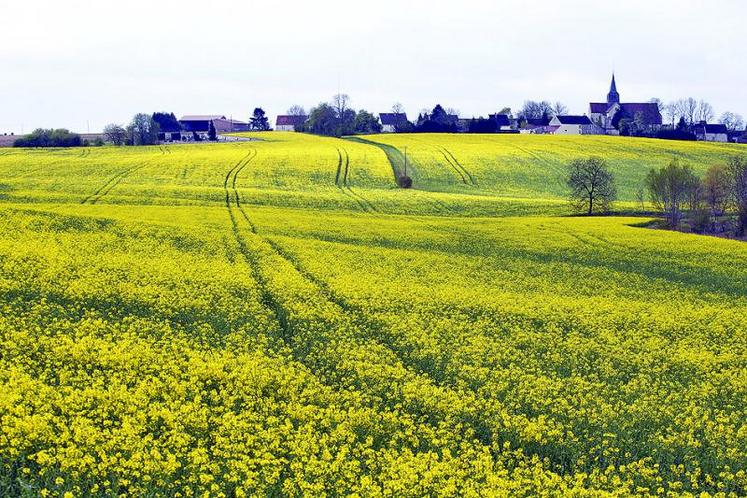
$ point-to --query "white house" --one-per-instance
(289, 123)
(711, 132)
(390, 121)
(572, 125)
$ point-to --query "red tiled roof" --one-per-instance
(290, 120)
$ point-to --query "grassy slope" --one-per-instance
(533, 165)
(304, 340)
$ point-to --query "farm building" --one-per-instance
(502, 120)
(200, 125)
(572, 125)
(536, 125)
(607, 115)
(390, 121)
(711, 132)
(289, 123)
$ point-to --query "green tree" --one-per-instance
(259, 121)
(322, 120)
(737, 168)
(365, 122)
(671, 189)
(143, 130)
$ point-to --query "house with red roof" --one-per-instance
(289, 123)
(607, 115)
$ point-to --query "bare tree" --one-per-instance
(733, 122)
(659, 104)
(672, 111)
(592, 185)
(115, 134)
(536, 110)
(689, 109)
(296, 110)
(340, 102)
(704, 112)
(451, 111)
(559, 109)
(398, 108)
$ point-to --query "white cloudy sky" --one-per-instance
(66, 63)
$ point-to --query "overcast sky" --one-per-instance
(72, 62)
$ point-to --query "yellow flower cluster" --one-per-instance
(224, 320)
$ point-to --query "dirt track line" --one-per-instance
(347, 166)
(339, 167)
(365, 205)
(453, 166)
(236, 173)
(454, 160)
(109, 185)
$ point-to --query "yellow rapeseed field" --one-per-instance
(276, 318)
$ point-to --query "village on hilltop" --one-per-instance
(687, 119)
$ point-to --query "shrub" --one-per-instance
(49, 138)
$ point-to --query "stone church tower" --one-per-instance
(613, 97)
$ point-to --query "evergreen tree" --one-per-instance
(259, 121)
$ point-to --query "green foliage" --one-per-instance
(259, 121)
(365, 123)
(670, 188)
(212, 134)
(143, 130)
(167, 122)
(49, 138)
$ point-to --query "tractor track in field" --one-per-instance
(457, 165)
(368, 327)
(265, 296)
(343, 169)
(109, 185)
(371, 330)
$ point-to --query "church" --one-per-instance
(608, 115)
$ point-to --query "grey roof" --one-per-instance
(392, 118)
(202, 117)
(711, 128)
(574, 120)
(501, 119)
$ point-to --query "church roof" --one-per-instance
(599, 107)
(649, 110)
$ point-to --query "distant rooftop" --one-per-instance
(574, 120)
(202, 117)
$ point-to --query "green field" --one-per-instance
(276, 318)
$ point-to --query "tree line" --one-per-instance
(715, 203)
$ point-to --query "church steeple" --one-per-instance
(613, 97)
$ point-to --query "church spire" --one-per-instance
(613, 97)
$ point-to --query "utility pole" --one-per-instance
(405, 160)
